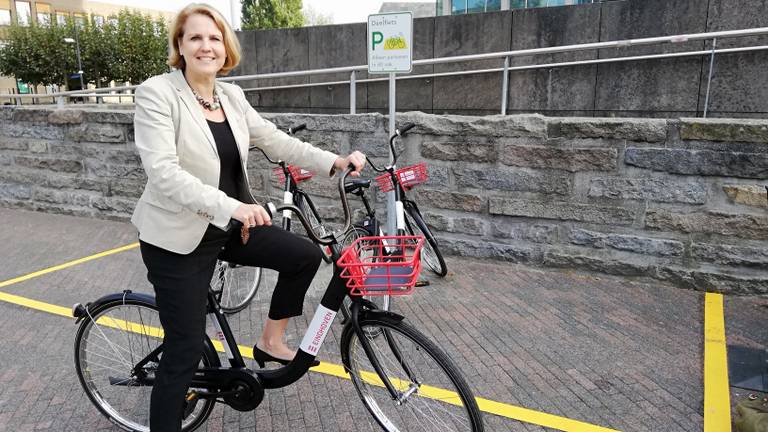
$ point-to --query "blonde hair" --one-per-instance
(176, 32)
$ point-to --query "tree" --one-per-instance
(313, 17)
(132, 47)
(141, 46)
(35, 55)
(268, 14)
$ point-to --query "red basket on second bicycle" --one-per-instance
(382, 265)
(297, 173)
(408, 177)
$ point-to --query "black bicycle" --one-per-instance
(408, 215)
(404, 379)
(291, 176)
(235, 285)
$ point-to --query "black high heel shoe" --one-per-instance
(262, 357)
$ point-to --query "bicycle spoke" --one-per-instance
(427, 398)
(103, 365)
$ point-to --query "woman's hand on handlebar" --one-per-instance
(355, 159)
(251, 215)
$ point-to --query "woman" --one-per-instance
(192, 134)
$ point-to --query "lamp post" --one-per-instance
(76, 41)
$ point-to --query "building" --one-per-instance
(459, 7)
(29, 12)
(419, 10)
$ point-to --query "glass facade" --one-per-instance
(460, 7)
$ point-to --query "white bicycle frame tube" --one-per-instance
(220, 336)
(287, 199)
(400, 215)
(317, 330)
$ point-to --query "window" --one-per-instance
(483, 5)
(23, 13)
(79, 19)
(61, 18)
(98, 20)
(5, 17)
(5, 12)
(43, 14)
(458, 7)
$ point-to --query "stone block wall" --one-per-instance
(682, 200)
(664, 88)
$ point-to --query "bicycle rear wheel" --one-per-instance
(431, 393)
(107, 349)
(430, 254)
(235, 285)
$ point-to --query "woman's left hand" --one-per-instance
(356, 159)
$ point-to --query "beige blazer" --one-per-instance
(179, 155)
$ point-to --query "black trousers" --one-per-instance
(181, 287)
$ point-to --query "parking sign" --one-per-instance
(390, 42)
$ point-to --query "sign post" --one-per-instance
(390, 50)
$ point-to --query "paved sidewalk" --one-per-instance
(602, 350)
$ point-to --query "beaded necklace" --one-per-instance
(210, 106)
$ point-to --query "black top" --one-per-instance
(229, 156)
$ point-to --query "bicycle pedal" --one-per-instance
(422, 283)
(190, 402)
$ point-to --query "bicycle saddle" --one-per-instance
(350, 186)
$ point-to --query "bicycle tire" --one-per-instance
(439, 388)
(112, 321)
(307, 207)
(382, 302)
(235, 285)
(430, 253)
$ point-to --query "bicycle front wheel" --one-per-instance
(108, 346)
(235, 285)
(430, 254)
(431, 393)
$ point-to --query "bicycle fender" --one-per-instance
(79, 311)
(380, 314)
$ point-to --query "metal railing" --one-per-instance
(506, 56)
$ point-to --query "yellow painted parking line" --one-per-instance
(717, 398)
(492, 407)
(36, 305)
(67, 265)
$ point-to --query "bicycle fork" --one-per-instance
(398, 397)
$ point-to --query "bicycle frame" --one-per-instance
(217, 378)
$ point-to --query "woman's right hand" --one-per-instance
(252, 215)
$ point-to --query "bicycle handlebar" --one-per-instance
(400, 132)
(404, 130)
(293, 130)
(272, 210)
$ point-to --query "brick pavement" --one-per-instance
(604, 350)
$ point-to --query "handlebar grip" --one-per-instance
(293, 130)
(404, 130)
(271, 209)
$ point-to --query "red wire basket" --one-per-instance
(408, 176)
(383, 265)
(298, 174)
